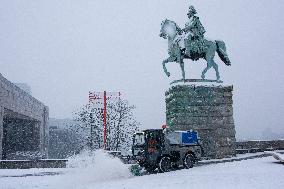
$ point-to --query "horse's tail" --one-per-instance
(221, 50)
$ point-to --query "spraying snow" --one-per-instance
(91, 167)
(82, 172)
(98, 165)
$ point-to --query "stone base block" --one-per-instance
(207, 109)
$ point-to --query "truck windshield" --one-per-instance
(139, 139)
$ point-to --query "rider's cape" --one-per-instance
(194, 42)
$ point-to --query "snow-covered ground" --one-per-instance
(104, 172)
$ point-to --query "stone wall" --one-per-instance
(1, 128)
(17, 104)
(28, 164)
(207, 109)
(259, 145)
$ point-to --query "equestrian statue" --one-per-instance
(189, 43)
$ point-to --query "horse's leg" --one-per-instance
(170, 59)
(180, 61)
(182, 69)
(215, 66)
(209, 65)
(210, 60)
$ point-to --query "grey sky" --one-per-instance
(65, 48)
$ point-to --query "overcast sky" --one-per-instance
(63, 49)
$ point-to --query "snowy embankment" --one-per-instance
(104, 172)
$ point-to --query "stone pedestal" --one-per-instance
(1, 129)
(207, 109)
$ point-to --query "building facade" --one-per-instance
(23, 124)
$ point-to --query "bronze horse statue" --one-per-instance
(179, 49)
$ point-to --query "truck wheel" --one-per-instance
(165, 164)
(188, 161)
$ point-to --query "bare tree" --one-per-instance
(121, 125)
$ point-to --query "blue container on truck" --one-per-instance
(189, 137)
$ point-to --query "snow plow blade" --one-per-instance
(136, 170)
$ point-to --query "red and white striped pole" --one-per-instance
(92, 96)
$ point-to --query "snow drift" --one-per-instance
(91, 167)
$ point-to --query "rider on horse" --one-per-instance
(194, 43)
(189, 43)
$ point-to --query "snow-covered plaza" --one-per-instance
(106, 173)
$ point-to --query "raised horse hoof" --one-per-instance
(203, 77)
(168, 74)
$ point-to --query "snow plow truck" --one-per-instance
(166, 150)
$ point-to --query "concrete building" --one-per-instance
(63, 140)
(23, 123)
(25, 87)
